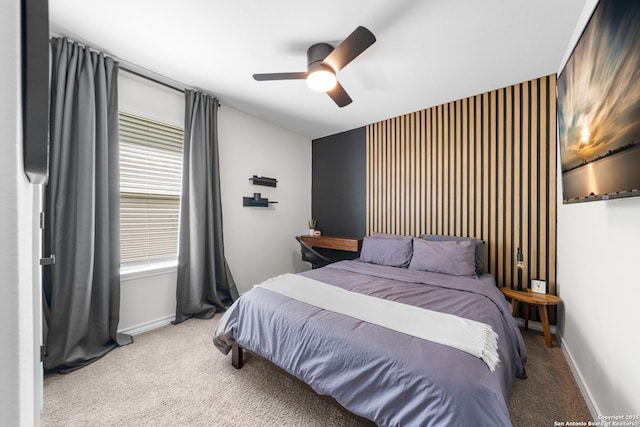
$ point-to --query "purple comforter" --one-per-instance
(388, 377)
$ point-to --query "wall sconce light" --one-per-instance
(520, 265)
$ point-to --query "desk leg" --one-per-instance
(526, 316)
(544, 317)
(514, 307)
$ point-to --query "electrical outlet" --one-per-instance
(539, 286)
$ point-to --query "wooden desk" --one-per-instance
(351, 244)
(539, 300)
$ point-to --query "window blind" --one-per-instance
(150, 184)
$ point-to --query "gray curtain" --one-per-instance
(82, 210)
(205, 284)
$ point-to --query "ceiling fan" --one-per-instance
(323, 62)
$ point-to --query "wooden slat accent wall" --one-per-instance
(482, 167)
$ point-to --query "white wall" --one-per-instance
(17, 269)
(143, 97)
(260, 242)
(599, 283)
(147, 302)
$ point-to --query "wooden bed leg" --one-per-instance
(236, 356)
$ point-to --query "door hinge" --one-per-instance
(43, 353)
(42, 220)
(48, 261)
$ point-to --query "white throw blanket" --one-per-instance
(470, 336)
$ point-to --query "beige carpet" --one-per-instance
(173, 376)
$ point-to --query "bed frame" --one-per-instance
(237, 361)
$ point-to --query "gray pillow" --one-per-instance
(479, 246)
(394, 251)
(456, 258)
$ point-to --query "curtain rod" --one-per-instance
(129, 68)
(170, 86)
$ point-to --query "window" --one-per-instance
(150, 184)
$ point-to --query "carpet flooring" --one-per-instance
(173, 376)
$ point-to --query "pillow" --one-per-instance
(454, 257)
(479, 246)
(394, 251)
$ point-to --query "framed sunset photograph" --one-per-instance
(599, 107)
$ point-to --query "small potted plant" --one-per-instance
(312, 226)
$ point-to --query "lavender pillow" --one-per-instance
(394, 251)
(479, 246)
(456, 258)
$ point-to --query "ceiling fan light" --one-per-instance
(321, 80)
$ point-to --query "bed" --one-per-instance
(389, 377)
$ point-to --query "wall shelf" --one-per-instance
(263, 180)
(256, 201)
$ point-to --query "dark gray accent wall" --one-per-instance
(338, 196)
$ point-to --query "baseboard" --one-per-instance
(579, 380)
(148, 326)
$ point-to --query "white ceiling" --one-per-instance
(428, 52)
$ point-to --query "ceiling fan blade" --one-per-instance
(280, 76)
(339, 95)
(356, 43)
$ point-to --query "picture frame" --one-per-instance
(35, 90)
(597, 98)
